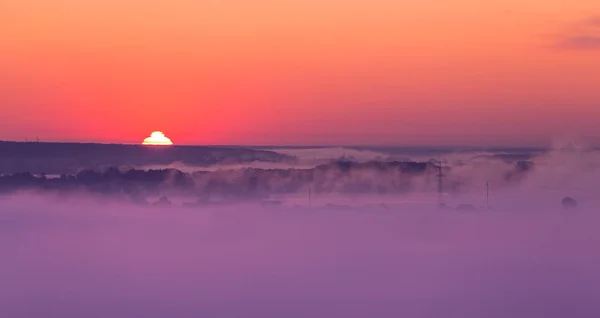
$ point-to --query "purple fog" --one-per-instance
(84, 260)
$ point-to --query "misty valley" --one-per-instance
(323, 232)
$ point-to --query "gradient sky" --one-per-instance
(469, 72)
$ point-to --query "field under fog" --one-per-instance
(79, 259)
(71, 248)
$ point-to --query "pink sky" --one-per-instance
(300, 71)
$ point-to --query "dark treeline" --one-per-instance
(59, 158)
(341, 177)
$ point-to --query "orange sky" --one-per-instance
(300, 71)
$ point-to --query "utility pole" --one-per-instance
(487, 194)
(309, 195)
(440, 176)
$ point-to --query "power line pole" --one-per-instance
(440, 176)
(487, 194)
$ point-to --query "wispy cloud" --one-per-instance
(594, 21)
(580, 42)
(584, 35)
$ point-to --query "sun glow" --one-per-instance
(157, 138)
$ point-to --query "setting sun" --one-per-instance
(157, 138)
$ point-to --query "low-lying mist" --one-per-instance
(82, 258)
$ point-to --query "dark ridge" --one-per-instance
(419, 149)
(58, 158)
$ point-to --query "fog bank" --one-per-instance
(84, 259)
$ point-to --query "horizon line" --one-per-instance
(529, 147)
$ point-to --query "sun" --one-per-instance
(157, 138)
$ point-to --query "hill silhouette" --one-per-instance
(59, 158)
